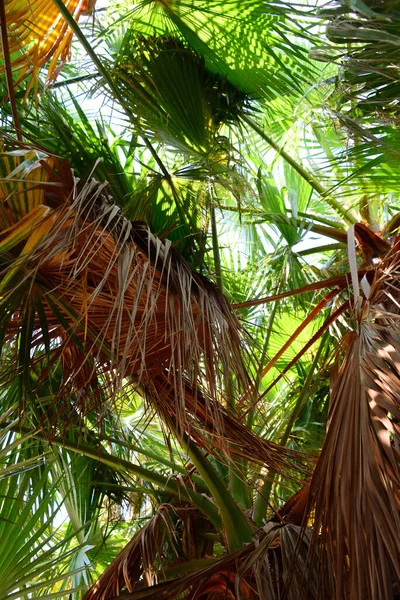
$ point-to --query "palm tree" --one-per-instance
(132, 389)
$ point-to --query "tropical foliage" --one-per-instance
(199, 308)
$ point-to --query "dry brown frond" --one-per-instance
(355, 490)
(138, 559)
(127, 298)
(115, 302)
(142, 563)
(227, 433)
(118, 301)
(258, 571)
(218, 577)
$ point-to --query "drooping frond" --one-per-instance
(138, 558)
(130, 299)
(110, 301)
(209, 417)
(258, 571)
(354, 492)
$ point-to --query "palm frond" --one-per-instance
(216, 30)
(367, 33)
(139, 558)
(117, 302)
(251, 572)
(31, 551)
(133, 255)
(178, 98)
(38, 34)
(358, 471)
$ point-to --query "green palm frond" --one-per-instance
(220, 32)
(367, 34)
(179, 99)
(31, 550)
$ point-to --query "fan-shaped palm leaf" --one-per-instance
(39, 34)
(31, 548)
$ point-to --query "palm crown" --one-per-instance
(199, 301)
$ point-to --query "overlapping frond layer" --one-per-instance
(140, 559)
(369, 32)
(107, 286)
(178, 98)
(136, 558)
(212, 418)
(269, 63)
(39, 34)
(105, 297)
(256, 571)
(355, 490)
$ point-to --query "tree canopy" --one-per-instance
(199, 310)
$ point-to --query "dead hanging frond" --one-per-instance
(208, 416)
(39, 34)
(258, 571)
(104, 293)
(277, 564)
(138, 560)
(175, 540)
(355, 490)
(218, 576)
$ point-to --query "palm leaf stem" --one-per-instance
(260, 211)
(305, 391)
(7, 64)
(337, 281)
(334, 204)
(330, 231)
(207, 507)
(166, 483)
(264, 352)
(237, 482)
(66, 82)
(325, 248)
(262, 500)
(236, 526)
(153, 456)
(328, 322)
(314, 313)
(216, 253)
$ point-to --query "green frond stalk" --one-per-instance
(237, 528)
